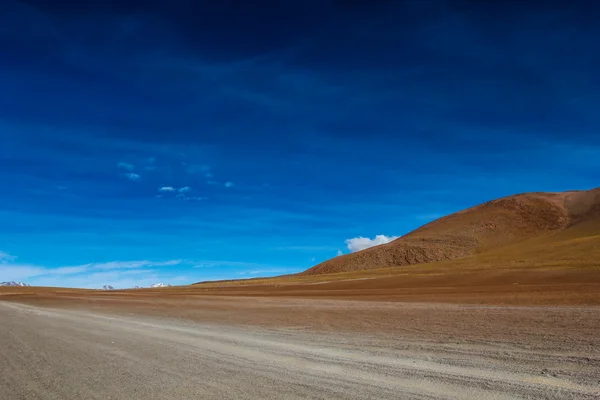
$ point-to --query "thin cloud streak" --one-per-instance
(85, 275)
(132, 176)
(5, 257)
(126, 166)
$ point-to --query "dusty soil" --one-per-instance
(304, 341)
(124, 347)
(400, 333)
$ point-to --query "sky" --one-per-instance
(181, 141)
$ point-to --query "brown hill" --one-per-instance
(511, 228)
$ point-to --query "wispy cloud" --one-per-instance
(125, 166)
(228, 184)
(361, 243)
(5, 257)
(91, 275)
(20, 272)
(132, 176)
(117, 279)
(181, 193)
(129, 264)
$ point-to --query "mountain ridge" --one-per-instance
(476, 230)
(13, 283)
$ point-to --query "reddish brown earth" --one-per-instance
(415, 332)
(540, 314)
(180, 345)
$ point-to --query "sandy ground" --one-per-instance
(186, 347)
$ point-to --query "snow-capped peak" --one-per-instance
(107, 287)
(158, 285)
(12, 283)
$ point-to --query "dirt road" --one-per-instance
(77, 354)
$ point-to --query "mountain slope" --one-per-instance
(486, 228)
(12, 283)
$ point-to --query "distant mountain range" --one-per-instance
(12, 283)
(156, 285)
(105, 287)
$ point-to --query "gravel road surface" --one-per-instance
(75, 354)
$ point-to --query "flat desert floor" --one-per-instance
(302, 341)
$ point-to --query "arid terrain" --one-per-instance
(387, 337)
(514, 316)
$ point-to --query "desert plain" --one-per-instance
(418, 336)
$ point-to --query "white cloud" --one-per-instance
(181, 193)
(111, 265)
(5, 257)
(132, 176)
(126, 166)
(312, 259)
(339, 253)
(228, 184)
(20, 272)
(361, 243)
(93, 275)
(117, 279)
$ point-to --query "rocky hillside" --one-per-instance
(476, 230)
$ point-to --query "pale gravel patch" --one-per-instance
(68, 354)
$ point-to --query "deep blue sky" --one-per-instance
(277, 130)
